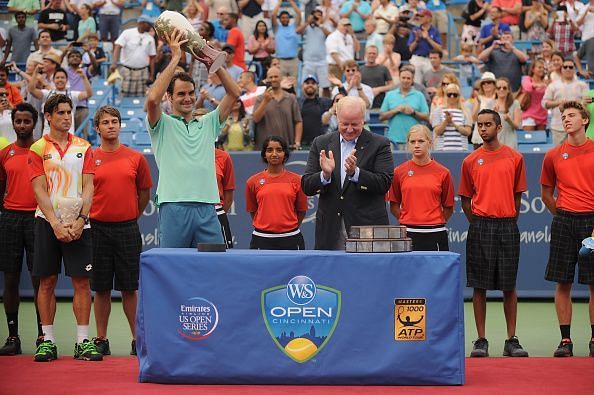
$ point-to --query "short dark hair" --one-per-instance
(43, 31)
(3, 68)
(60, 70)
(233, 15)
(19, 13)
(437, 52)
(106, 110)
(495, 114)
(283, 12)
(52, 103)
(182, 77)
(25, 107)
(279, 140)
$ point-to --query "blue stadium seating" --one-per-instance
(378, 128)
(528, 148)
(532, 137)
(127, 139)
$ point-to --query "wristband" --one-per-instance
(84, 218)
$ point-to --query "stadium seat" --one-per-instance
(530, 148)
(532, 137)
(374, 117)
(132, 101)
(126, 139)
(142, 139)
(378, 128)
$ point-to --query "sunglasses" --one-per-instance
(445, 83)
(502, 88)
(568, 67)
(487, 82)
(452, 94)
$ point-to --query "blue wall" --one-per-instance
(534, 220)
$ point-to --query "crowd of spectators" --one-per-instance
(294, 60)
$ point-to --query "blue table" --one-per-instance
(300, 317)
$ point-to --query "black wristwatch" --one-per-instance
(85, 218)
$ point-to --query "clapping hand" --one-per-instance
(327, 164)
(350, 163)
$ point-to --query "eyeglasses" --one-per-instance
(487, 82)
(568, 67)
(452, 94)
(502, 88)
(445, 83)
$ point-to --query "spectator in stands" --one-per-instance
(152, 8)
(197, 69)
(162, 59)
(29, 7)
(193, 13)
(233, 70)
(287, 39)
(548, 47)
(385, 14)
(535, 84)
(353, 85)
(373, 37)
(13, 94)
(417, 86)
(485, 101)
(421, 41)
(44, 45)
(53, 19)
(341, 45)
(314, 54)
(585, 20)
(574, 9)
(329, 118)
(357, 12)
(412, 9)
(403, 107)
(433, 76)
(439, 19)
(510, 14)
(135, 47)
(389, 57)
(235, 133)
(376, 75)
(568, 168)
(312, 108)
(275, 200)
(110, 18)
(250, 91)
(51, 62)
(330, 17)
(566, 89)
(505, 60)
(214, 7)
(92, 48)
(440, 98)
(220, 31)
(261, 45)
(554, 68)
(451, 123)
(77, 83)
(474, 14)
(401, 33)
(491, 32)
(211, 94)
(586, 52)
(536, 21)
(60, 80)
(236, 38)
(19, 40)
(251, 13)
(86, 25)
(469, 64)
(422, 194)
(563, 31)
(492, 182)
(122, 186)
(509, 111)
(277, 112)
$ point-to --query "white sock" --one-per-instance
(82, 333)
(48, 333)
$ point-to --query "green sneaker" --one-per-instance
(87, 351)
(46, 351)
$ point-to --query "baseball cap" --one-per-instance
(146, 19)
(311, 77)
(228, 48)
(488, 76)
(504, 29)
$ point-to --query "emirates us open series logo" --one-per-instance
(198, 319)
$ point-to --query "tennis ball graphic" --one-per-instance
(301, 349)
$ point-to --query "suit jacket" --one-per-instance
(361, 203)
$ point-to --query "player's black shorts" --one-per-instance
(116, 255)
(567, 232)
(492, 253)
(428, 238)
(291, 241)
(49, 252)
(16, 237)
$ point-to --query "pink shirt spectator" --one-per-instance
(261, 53)
(536, 111)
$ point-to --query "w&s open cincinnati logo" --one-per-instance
(301, 316)
(198, 319)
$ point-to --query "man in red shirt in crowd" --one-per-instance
(13, 93)
(16, 221)
(122, 188)
(491, 184)
(236, 38)
(568, 167)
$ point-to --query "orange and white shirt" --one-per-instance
(63, 169)
(19, 193)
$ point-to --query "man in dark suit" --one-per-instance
(351, 171)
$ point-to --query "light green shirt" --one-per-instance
(25, 5)
(185, 155)
(590, 130)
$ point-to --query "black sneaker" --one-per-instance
(102, 345)
(480, 349)
(512, 348)
(12, 346)
(38, 341)
(565, 349)
(46, 351)
(87, 351)
(591, 345)
(133, 349)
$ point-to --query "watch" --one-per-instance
(84, 217)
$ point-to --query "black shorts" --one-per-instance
(49, 252)
(428, 240)
(225, 228)
(492, 253)
(116, 254)
(293, 242)
(16, 237)
(567, 232)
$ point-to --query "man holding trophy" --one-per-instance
(184, 146)
(61, 169)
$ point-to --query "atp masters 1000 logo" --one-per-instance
(301, 316)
